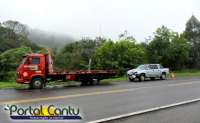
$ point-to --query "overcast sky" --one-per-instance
(108, 18)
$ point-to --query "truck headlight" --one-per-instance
(25, 74)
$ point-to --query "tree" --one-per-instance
(158, 48)
(10, 59)
(16, 27)
(16, 40)
(121, 55)
(179, 52)
(125, 35)
(192, 33)
(168, 48)
(76, 55)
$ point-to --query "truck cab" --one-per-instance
(32, 70)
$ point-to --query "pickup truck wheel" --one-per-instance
(37, 83)
(163, 76)
(142, 77)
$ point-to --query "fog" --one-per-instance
(108, 18)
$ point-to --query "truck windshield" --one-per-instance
(141, 67)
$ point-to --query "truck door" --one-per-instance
(33, 66)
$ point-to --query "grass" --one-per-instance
(182, 73)
(11, 84)
(187, 73)
(117, 79)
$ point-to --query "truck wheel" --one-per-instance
(84, 82)
(163, 76)
(142, 77)
(37, 83)
(94, 82)
(131, 80)
(91, 82)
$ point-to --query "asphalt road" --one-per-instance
(182, 114)
(107, 100)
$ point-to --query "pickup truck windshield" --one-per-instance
(141, 67)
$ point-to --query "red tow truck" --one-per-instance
(37, 69)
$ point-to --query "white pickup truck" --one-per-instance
(151, 71)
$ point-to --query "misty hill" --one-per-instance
(9, 39)
(48, 39)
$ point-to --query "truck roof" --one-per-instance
(35, 54)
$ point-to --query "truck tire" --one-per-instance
(37, 83)
(94, 82)
(163, 76)
(142, 77)
(84, 82)
(91, 82)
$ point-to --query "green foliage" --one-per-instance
(173, 50)
(192, 33)
(179, 52)
(76, 55)
(168, 48)
(158, 48)
(14, 44)
(121, 55)
(9, 39)
(10, 59)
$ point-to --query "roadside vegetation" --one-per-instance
(182, 73)
(178, 51)
(11, 84)
(187, 73)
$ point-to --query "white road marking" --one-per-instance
(144, 111)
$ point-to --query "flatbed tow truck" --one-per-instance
(37, 69)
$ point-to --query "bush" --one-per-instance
(9, 61)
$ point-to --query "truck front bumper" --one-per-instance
(22, 81)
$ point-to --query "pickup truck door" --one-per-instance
(150, 71)
(157, 71)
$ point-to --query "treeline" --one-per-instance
(171, 49)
